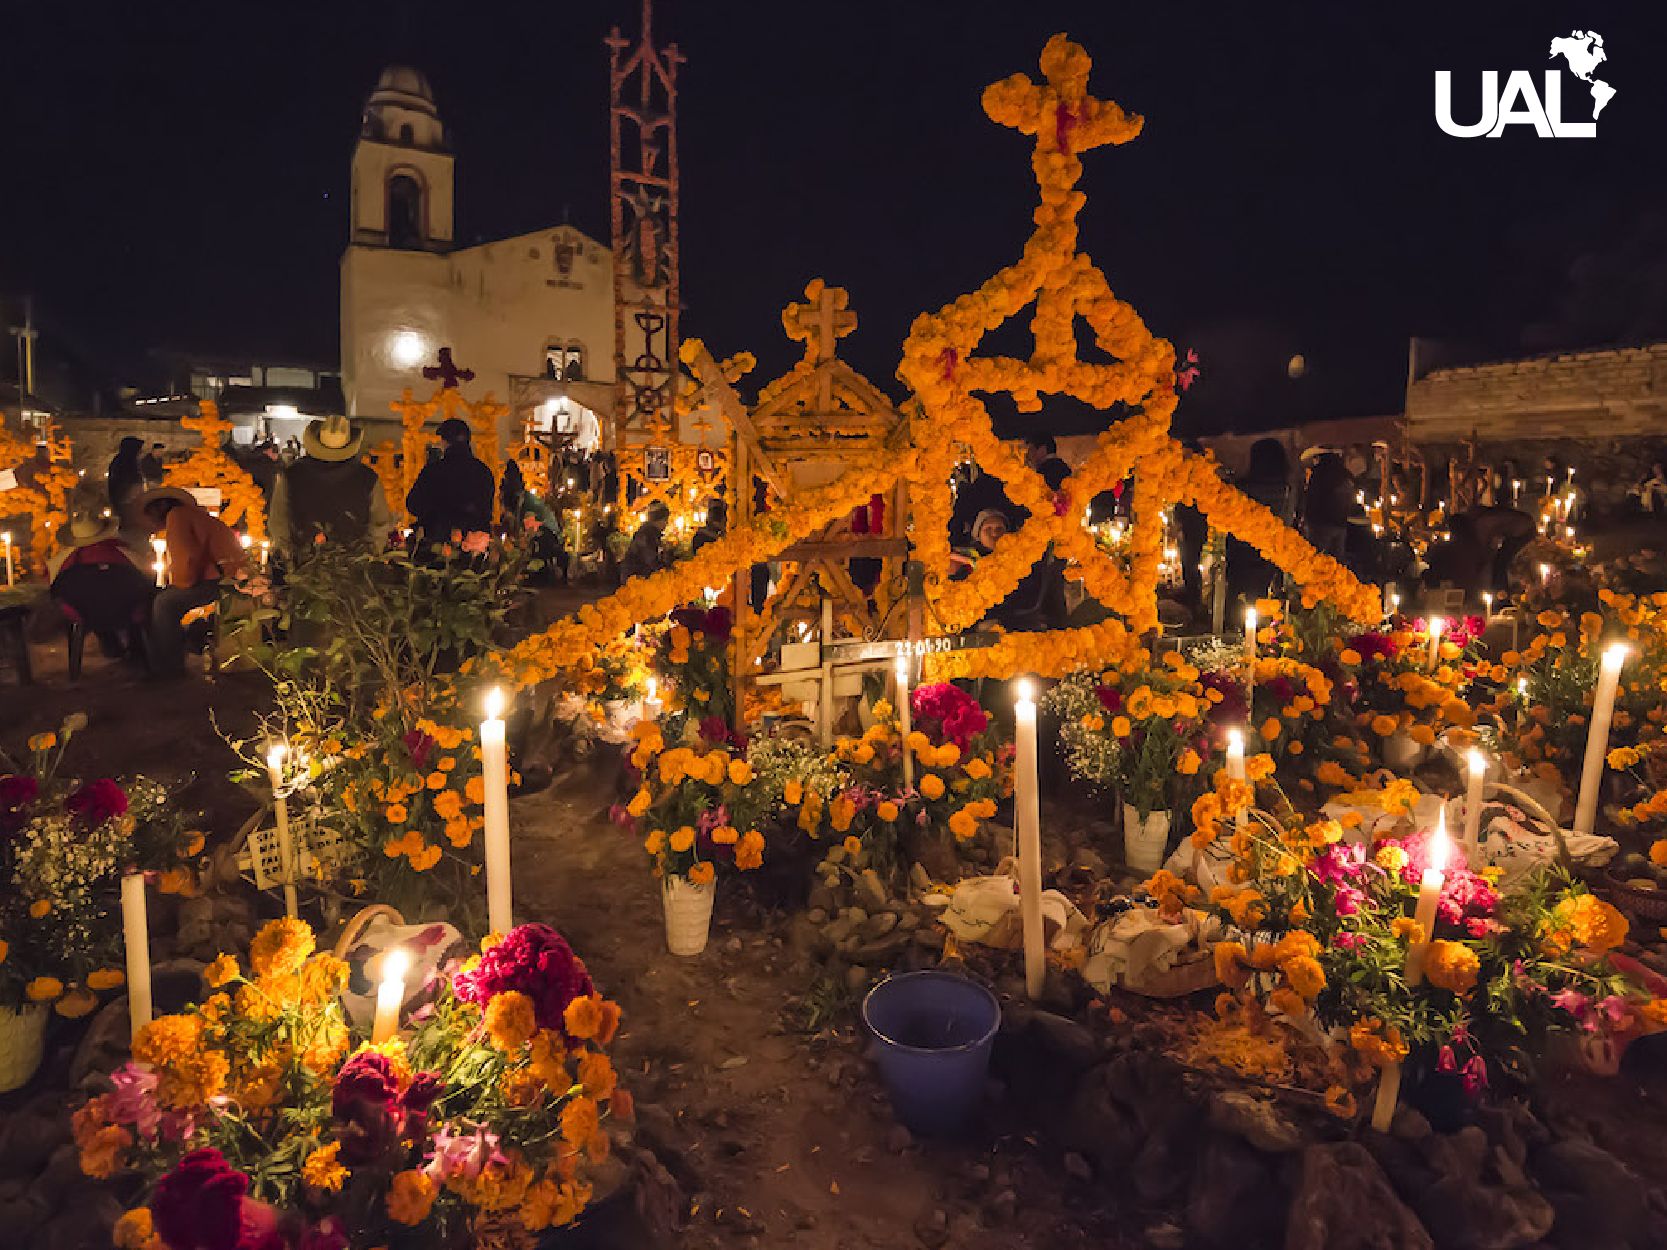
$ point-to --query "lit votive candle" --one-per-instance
(390, 994)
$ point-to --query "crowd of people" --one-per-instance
(321, 491)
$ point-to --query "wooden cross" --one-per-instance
(821, 323)
(446, 373)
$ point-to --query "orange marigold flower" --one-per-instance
(1451, 966)
(322, 1171)
(510, 1020)
(410, 1197)
(702, 873)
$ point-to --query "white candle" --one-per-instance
(265, 551)
(1235, 754)
(1597, 736)
(280, 811)
(494, 764)
(1436, 626)
(1516, 491)
(1028, 818)
(137, 934)
(1545, 574)
(652, 706)
(390, 994)
(1487, 605)
(1478, 769)
(905, 720)
(1394, 603)
(1429, 894)
(11, 574)
(159, 546)
(1249, 655)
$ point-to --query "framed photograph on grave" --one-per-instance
(656, 464)
(705, 460)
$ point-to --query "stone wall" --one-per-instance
(1618, 393)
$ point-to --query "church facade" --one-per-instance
(531, 315)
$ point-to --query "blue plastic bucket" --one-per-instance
(932, 1036)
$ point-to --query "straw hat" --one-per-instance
(333, 438)
(163, 492)
(85, 529)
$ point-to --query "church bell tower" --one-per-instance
(402, 169)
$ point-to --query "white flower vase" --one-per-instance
(688, 915)
(1144, 840)
(1401, 753)
(22, 1034)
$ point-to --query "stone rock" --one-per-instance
(61, 1175)
(871, 891)
(85, 1222)
(928, 937)
(856, 978)
(1235, 1198)
(898, 1139)
(1090, 862)
(104, 1047)
(879, 950)
(839, 931)
(822, 899)
(1163, 1167)
(1255, 1120)
(1410, 1124)
(880, 924)
(1474, 1216)
(1076, 1166)
(1098, 1124)
(30, 1135)
(1166, 1236)
(1599, 1200)
(671, 1144)
(919, 878)
(1063, 1041)
(1343, 1201)
(1003, 1206)
(22, 1212)
(933, 1228)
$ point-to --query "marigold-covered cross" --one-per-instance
(446, 373)
(821, 321)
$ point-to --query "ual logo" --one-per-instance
(1520, 103)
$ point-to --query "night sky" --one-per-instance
(175, 175)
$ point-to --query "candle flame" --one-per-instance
(1614, 655)
(1250, 620)
(1437, 624)
(494, 703)
(1235, 742)
(275, 755)
(1477, 761)
(1022, 689)
(653, 687)
(1441, 846)
(395, 964)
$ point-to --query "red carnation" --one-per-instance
(536, 960)
(201, 1205)
(97, 802)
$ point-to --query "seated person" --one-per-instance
(202, 550)
(98, 584)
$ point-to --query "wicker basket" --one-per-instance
(317, 850)
(1650, 905)
(22, 1037)
(688, 915)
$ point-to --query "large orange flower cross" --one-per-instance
(1136, 370)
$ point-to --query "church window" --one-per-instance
(573, 367)
(405, 211)
(564, 361)
(407, 136)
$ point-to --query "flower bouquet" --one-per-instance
(64, 847)
(1410, 687)
(1146, 730)
(696, 807)
(258, 1120)
(1326, 929)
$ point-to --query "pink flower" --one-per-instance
(461, 1154)
(531, 524)
(1475, 1076)
(134, 1100)
(1351, 941)
(477, 542)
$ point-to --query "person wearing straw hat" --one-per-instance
(328, 494)
(202, 550)
(97, 583)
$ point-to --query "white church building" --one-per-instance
(532, 315)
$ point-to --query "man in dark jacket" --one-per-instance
(453, 493)
(328, 494)
(646, 554)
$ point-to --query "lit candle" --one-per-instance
(280, 809)
(494, 764)
(652, 706)
(1478, 769)
(11, 573)
(905, 720)
(1235, 768)
(390, 994)
(1597, 736)
(1436, 626)
(1516, 491)
(1394, 603)
(244, 541)
(1439, 848)
(159, 546)
(1028, 818)
(1545, 574)
(265, 551)
(136, 931)
(1249, 648)
(1487, 605)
